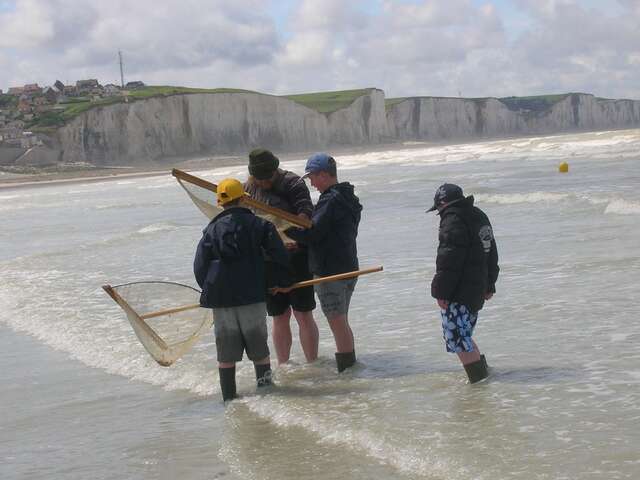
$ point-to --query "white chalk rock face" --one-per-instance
(186, 125)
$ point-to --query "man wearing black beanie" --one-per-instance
(285, 190)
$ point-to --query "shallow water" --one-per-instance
(83, 399)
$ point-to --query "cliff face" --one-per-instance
(202, 124)
(444, 118)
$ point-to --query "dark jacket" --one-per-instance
(332, 238)
(467, 261)
(288, 192)
(229, 261)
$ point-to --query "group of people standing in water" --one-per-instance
(246, 270)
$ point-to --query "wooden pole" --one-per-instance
(332, 278)
(307, 283)
(160, 313)
(124, 305)
(246, 200)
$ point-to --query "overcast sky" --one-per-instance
(405, 47)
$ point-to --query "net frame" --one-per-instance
(165, 352)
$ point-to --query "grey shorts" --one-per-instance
(240, 329)
(335, 296)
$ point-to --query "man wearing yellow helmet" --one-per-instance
(229, 267)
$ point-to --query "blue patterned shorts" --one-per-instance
(457, 327)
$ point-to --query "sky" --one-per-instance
(469, 48)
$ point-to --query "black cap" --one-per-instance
(262, 163)
(446, 193)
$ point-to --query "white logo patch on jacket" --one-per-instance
(486, 236)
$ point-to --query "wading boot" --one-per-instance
(345, 360)
(484, 359)
(477, 371)
(228, 383)
(263, 375)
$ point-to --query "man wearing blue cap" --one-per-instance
(332, 248)
(466, 274)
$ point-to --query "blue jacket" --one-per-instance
(229, 261)
(332, 238)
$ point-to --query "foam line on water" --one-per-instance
(88, 326)
(405, 459)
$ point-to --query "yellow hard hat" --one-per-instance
(229, 190)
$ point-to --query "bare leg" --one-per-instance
(470, 357)
(282, 336)
(342, 333)
(264, 361)
(308, 331)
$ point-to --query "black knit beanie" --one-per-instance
(262, 163)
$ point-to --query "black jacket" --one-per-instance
(332, 238)
(229, 261)
(467, 261)
(288, 192)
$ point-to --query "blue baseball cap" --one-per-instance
(318, 162)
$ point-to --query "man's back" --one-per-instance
(229, 263)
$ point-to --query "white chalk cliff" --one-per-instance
(221, 123)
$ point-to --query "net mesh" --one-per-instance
(207, 202)
(165, 317)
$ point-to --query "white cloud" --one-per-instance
(435, 47)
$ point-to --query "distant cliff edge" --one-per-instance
(201, 124)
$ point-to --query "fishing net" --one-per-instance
(165, 316)
(202, 193)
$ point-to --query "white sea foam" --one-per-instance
(514, 198)
(92, 329)
(158, 227)
(406, 459)
(623, 207)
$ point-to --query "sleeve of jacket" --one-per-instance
(278, 255)
(202, 259)
(298, 196)
(322, 220)
(452, 253)
(493, 268)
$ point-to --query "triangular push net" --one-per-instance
(202, 193)
(165, 316)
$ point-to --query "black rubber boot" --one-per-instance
(228, 383)
(263, 375)
(476, 371)
(345, 360)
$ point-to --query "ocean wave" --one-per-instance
(622, 207)
(159, 227)
(514, 198)
(89, 327)
(406, 459)
(118, 206)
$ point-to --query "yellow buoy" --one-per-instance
(563, 167)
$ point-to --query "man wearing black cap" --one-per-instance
(285, 190)
(332, 249)
(466, 273)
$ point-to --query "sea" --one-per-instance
(81, 399)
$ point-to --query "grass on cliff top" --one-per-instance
(535, 103)
(327, 102)
(76, 106)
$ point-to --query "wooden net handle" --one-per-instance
(247, 200)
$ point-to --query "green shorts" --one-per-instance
(240, 329)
